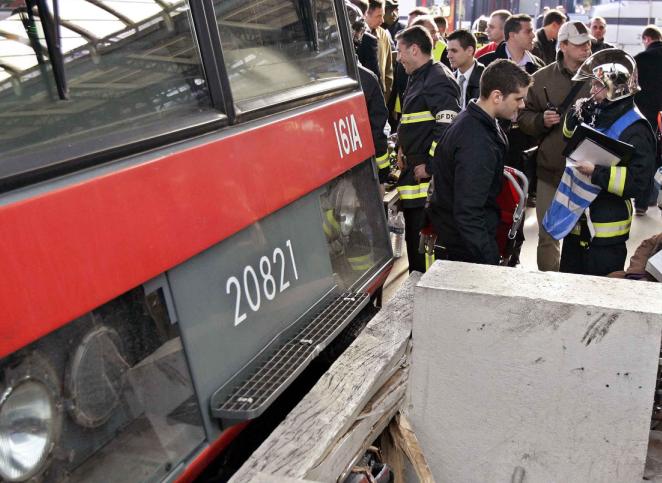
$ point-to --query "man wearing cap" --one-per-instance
(543, 121)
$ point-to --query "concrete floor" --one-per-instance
(642, 227)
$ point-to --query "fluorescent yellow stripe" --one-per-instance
(330, 225)
(429, 260)
(412, 192)
(617, 176)
(363, 262)
(398, 107)
(576, 230)
(433, 146)
(612, 229)
(567, 132)
(417, 117)
(438, 50)
(382, 161)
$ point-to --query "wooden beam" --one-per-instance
(366, 383)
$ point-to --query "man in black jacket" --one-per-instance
(461, 50)
(378, 116)
(649, 99)
(517, 47)
(468, 166)
(598, 27)
(372, 91)
(649, 65)
(545, 44)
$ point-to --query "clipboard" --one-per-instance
(588, 144)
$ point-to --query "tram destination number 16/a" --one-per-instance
(252, 289)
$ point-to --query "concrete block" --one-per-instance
(546, 375)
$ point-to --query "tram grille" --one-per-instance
(251, 391)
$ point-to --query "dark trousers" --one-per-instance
(648, 198)
(592, 260)
(414, 219)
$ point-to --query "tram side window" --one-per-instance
(272, 46)
(125, 70)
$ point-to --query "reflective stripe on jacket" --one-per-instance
(431, 102)
(610, 214)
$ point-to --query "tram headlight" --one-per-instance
(96, 377)
(28, 427)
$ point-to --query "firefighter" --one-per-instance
(430, 103)
(596, 245)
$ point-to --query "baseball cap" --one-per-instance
(574, 32)
(391, 3)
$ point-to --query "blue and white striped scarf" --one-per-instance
(574, 194)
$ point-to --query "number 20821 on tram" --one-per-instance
(189, 212)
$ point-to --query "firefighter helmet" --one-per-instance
(614, 69)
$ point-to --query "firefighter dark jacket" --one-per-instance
(430, 104)
(378, 115)
(468, 168)
(610, 212)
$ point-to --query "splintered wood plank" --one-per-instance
(404, 437)
(374, 418)
(314, 427)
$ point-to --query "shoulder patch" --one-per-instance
(445, 117)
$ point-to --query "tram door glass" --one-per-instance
(274, 46)
(94, 78)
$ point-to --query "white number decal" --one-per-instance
(294, 265)
(253, 289)
(238, 318)
(255, 306)
(347, 135)
(278, 253)
(268, 279)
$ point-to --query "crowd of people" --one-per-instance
(463, 111)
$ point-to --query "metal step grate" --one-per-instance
(250, 392)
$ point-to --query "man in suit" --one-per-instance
(461, 50)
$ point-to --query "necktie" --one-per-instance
(461, 80)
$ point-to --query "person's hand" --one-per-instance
(585, 167)
(400, 160)
(420, 172)
(550, 118)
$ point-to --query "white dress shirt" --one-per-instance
(464, 84)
